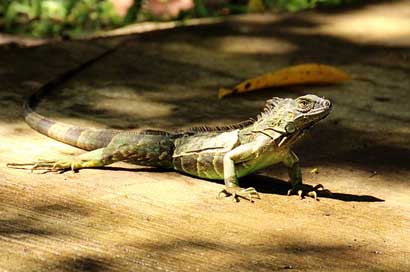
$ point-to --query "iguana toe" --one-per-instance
(237, 193)
(46, 166)
(303, 189)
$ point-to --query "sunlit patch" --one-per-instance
(31, 145)
(372, 24)
(24, 41)
(260, 45)
(371, 28)
(127, 101)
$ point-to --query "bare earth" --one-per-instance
(127, 218)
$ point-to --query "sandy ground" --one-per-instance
(127, 218)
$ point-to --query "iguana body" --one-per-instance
(222, 153)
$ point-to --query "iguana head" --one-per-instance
(290, 117)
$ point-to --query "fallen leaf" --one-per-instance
(311, 73)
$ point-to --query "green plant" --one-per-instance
(297, 5)
(76, 17)
(57, 17)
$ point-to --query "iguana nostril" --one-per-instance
(327, 103)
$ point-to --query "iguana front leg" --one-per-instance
(295, 175)
(239, 154)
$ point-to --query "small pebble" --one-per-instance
(314, 171)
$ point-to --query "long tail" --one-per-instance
(84, 138)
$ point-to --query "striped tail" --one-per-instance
(84, 138)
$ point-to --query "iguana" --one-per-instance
(218, 153)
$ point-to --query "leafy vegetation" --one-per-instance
(72, 17)
(58, 17)
(297, 5)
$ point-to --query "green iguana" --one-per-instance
(220, 153)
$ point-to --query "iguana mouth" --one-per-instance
(312, 123)
(326, 108)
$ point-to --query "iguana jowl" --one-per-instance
(222, 153)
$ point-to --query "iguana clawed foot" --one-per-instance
(236, 192)
(303, 189)
(48, 166)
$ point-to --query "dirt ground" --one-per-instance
(126, 218)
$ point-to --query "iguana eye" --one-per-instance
(304, 105)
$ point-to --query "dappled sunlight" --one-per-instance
(65, 225)
(379, 24)
(22, 41)
(22, 144)
(140, 107)
(255, 45)
(144, 27)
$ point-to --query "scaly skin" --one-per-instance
(223, 153)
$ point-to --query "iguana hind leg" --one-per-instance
(138, 153)
(89, 159)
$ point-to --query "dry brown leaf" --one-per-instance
(311, 73)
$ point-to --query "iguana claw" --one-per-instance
(237, 193)
(303, 189)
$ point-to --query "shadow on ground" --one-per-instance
(265, 184)
(134, 246)
(262, 183)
